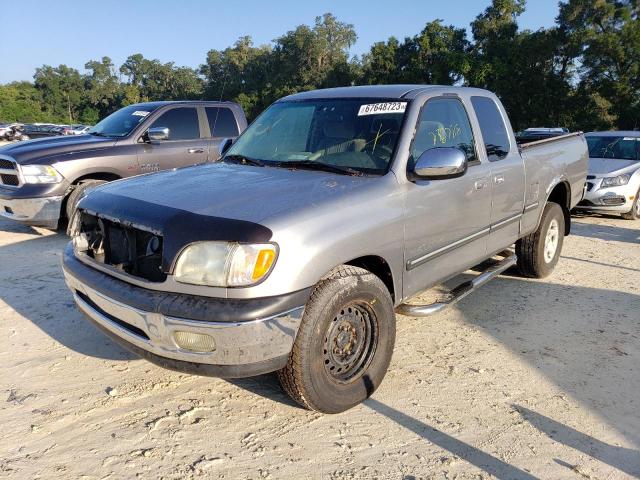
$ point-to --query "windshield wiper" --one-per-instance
(243, 160)
(313, 165)
(98, 134)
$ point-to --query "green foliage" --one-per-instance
(582, 73)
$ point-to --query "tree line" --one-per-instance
(581, 73)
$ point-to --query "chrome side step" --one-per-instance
(461, 291)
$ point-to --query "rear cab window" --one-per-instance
(494, 132)
(222, 122)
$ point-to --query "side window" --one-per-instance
(182, 123)
(443, 123)
(222, 122)
(494, 132)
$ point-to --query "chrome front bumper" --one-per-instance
(44, 212)
(241, 349)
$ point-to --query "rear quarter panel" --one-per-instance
(564, 159)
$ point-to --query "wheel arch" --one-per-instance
(380, 268)
(561, 194)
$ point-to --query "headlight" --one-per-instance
(40, 174)
(224, 264)
(615, 181)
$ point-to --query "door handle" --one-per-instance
(498, 179)
(195, 150)
(480, 184)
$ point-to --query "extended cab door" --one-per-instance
(185, 145)
(507, 172)
(447, 221)
(222, 124)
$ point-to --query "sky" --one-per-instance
(73, 32)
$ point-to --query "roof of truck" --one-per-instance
(188, 102)
(621, 133)
(377, 91)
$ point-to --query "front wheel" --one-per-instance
(344, 344)
(634, 213)
(539, 252)
(76, 195)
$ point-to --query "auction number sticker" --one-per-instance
(140, 113)
(378, 108)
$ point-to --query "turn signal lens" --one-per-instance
(263, 263)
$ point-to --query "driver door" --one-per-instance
(446, 221)
(184, 146)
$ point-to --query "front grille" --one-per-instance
(7, 164)
(131, 250)
(612, 200)
(11, 180)
(8, 173)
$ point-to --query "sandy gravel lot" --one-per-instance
(524, 379)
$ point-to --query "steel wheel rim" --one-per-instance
(551, 241)
(350, 342)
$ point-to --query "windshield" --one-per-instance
(622, 148)
(355, 135)
(122, 122)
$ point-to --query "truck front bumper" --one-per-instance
(43, 212)
(234, 348)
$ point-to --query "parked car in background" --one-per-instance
(15, 133)
(41, 130)
(330, 212)
(80, 129)
(613, 182)
(41, 181)
(534, 134)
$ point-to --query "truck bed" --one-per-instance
(548, 162)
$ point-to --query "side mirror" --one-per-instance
(224, 145)
(157, 134)
(440, 163)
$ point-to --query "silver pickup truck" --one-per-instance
(326, 216)
(42, 180)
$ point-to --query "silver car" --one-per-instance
(613, 183)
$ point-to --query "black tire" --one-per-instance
(348, 299)
(532, 261)
(634, 213)
(78, 193)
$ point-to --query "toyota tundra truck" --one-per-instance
(323, 220)
(42, 180)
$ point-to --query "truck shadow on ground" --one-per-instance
(607, 232)
(589, 360)
(624, 459)
(31, 283)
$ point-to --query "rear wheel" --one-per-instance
(634, 213)
(344, 344)
(74, 197)
(538, 252)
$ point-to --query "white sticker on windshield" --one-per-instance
(378, 108)
(140, 113)
(637, 139)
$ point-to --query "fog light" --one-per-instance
(196, 342)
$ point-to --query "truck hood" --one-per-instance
(41, 150)
(611, 166)
(218, 201)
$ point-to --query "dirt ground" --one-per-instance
(523, 379)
